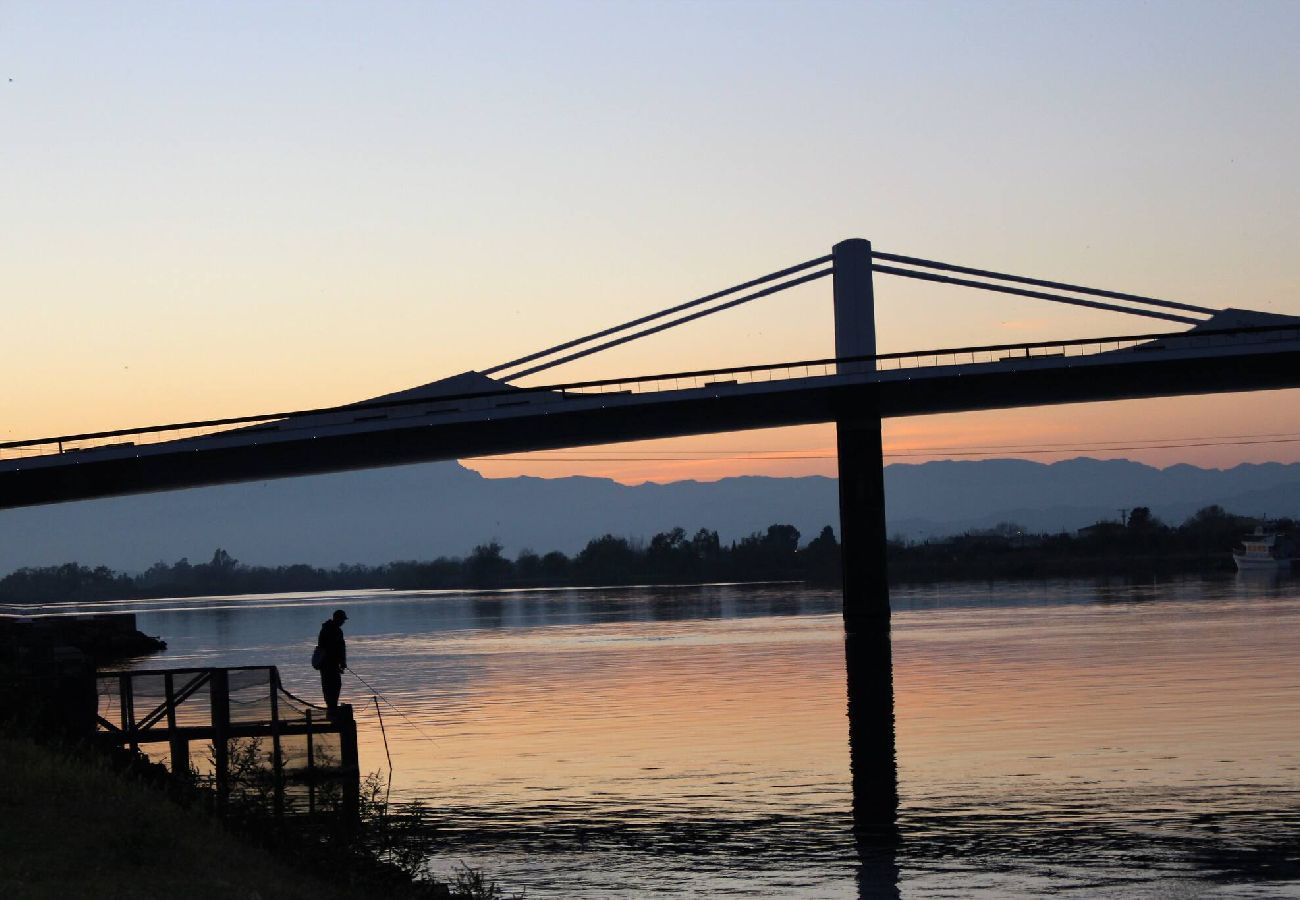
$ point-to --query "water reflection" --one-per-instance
(873, 763)
(872, 759)
(1122, 739)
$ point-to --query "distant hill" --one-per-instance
(419, 512)
(946, 497)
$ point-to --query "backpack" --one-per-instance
(317, 657)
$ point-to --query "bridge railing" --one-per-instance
(885, 362)
(416, 411)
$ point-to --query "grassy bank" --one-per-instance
(73, 828)
(70, 826)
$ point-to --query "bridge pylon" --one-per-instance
(868, 652)
(861, 453)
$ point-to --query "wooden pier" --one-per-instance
(263, 740)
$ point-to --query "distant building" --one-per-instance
(1101, 529)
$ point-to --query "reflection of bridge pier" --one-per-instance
(867, 651)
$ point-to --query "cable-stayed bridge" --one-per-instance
(480, 413)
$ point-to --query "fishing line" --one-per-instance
(374, 690)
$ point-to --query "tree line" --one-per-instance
(670, 557)
(1141, 543)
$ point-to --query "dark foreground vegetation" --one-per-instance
(79, 823)
(87, 819)
(75, 828)
(1140, 544)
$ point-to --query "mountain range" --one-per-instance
(444, 509)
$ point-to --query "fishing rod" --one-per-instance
(374, 690)
(388, 789)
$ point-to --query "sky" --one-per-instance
(222, 209)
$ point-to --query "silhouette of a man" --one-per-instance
(334, 658)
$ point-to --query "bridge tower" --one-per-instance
(868, 653)
(861, 457)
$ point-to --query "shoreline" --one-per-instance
(902, 573)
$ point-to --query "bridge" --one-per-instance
(480, 413)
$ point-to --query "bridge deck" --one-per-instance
(442, 426)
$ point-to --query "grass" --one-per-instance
(72, 827)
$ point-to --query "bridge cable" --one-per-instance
(1039, 282)
(772, 276)
(893, 257)
(1038, 295)
(804, 279)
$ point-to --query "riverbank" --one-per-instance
(74, 826)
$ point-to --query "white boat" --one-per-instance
(1264, 550)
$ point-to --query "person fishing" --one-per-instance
(332, 654)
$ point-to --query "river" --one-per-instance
(1097, 738)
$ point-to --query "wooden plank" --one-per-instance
(205, 732)
(186, 671)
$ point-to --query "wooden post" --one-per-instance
(126, 700)
(277, 762)
(219, 697)
(180, 747)
(351, 767)
(867, 647)
(311, 768)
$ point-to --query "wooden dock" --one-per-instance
(263, 739)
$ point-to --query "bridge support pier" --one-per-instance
(868, 654)
(867, 649)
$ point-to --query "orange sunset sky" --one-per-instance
(221, 209)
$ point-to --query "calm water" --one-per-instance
(1097, 739)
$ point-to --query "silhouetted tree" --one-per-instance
(1212, 528)
(607, 559)
(822, 558)
(671, 556)
(769, 554)
(706, 546)
(555, 566)
(528, 566)
(1140, 519)
(486, 567)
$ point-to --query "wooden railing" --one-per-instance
(260, 734)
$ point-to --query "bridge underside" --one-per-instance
(651, 417)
